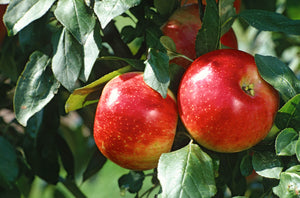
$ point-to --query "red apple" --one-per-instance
(2, 26)
(134, 125)
(183, 27)
(224, 103)
(236, 4)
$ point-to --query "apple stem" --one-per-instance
(248, 89)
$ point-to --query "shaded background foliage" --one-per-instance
(58, 48)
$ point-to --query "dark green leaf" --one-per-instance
(286, 142)
(67, 60)
(137, 64)
(40, 145)
(271, 21)
(227, 14)
(246, 165)
(156, 73)
(152, 36)
(13, 192)
(96, 162)
(187, 172)
(208, 37)
(72, 187)
(106, 10)
(90, 93)
(66, 156)
(8, 62)
(76, 17)
(267, 164)
(91, 50)
(298, 149)
(9, 168)
(35, 88)
(165, 7)
(133, 181)
(170, 46)
(288, 186)
(289, 115)
(20, 13)
(280, 76)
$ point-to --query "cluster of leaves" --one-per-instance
(58, 47)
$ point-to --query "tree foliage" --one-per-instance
(59, 54)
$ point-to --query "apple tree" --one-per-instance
(56, 57)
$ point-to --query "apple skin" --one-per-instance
(236, 4)
(133, 124)
(183, 26)
(2, 26)
(216, 110)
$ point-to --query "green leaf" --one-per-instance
(280, 76)
(297, 149)
(90, 93)
(20, 13)
(133, 181)
(288, 116)
(91, 50)
(165, 7)
(267, 164)
(156, 73)
(170, 46)
(9, 167)
(106, 10)
(271, 21)
(188, 172)
(39, 144)
(66, 155)
(289, 185)
(208, 36)
(67, 60)
(35, 87)
(96, 162)
(137, 64)
(227, 15)
(246, 165)
(152, 35)
(285, 142)
(76, 17)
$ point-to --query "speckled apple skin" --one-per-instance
(133, 124)
(215, 109)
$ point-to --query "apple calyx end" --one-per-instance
(248, 89)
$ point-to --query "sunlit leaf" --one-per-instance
(90, 93)
(288, 185)
(67, 60)
(286, 142)
(267, 164)
(76, 17)
(106, 10)
(156, 73)
(187, 172)
(91, 50)
(20, 13)
(35, 88)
